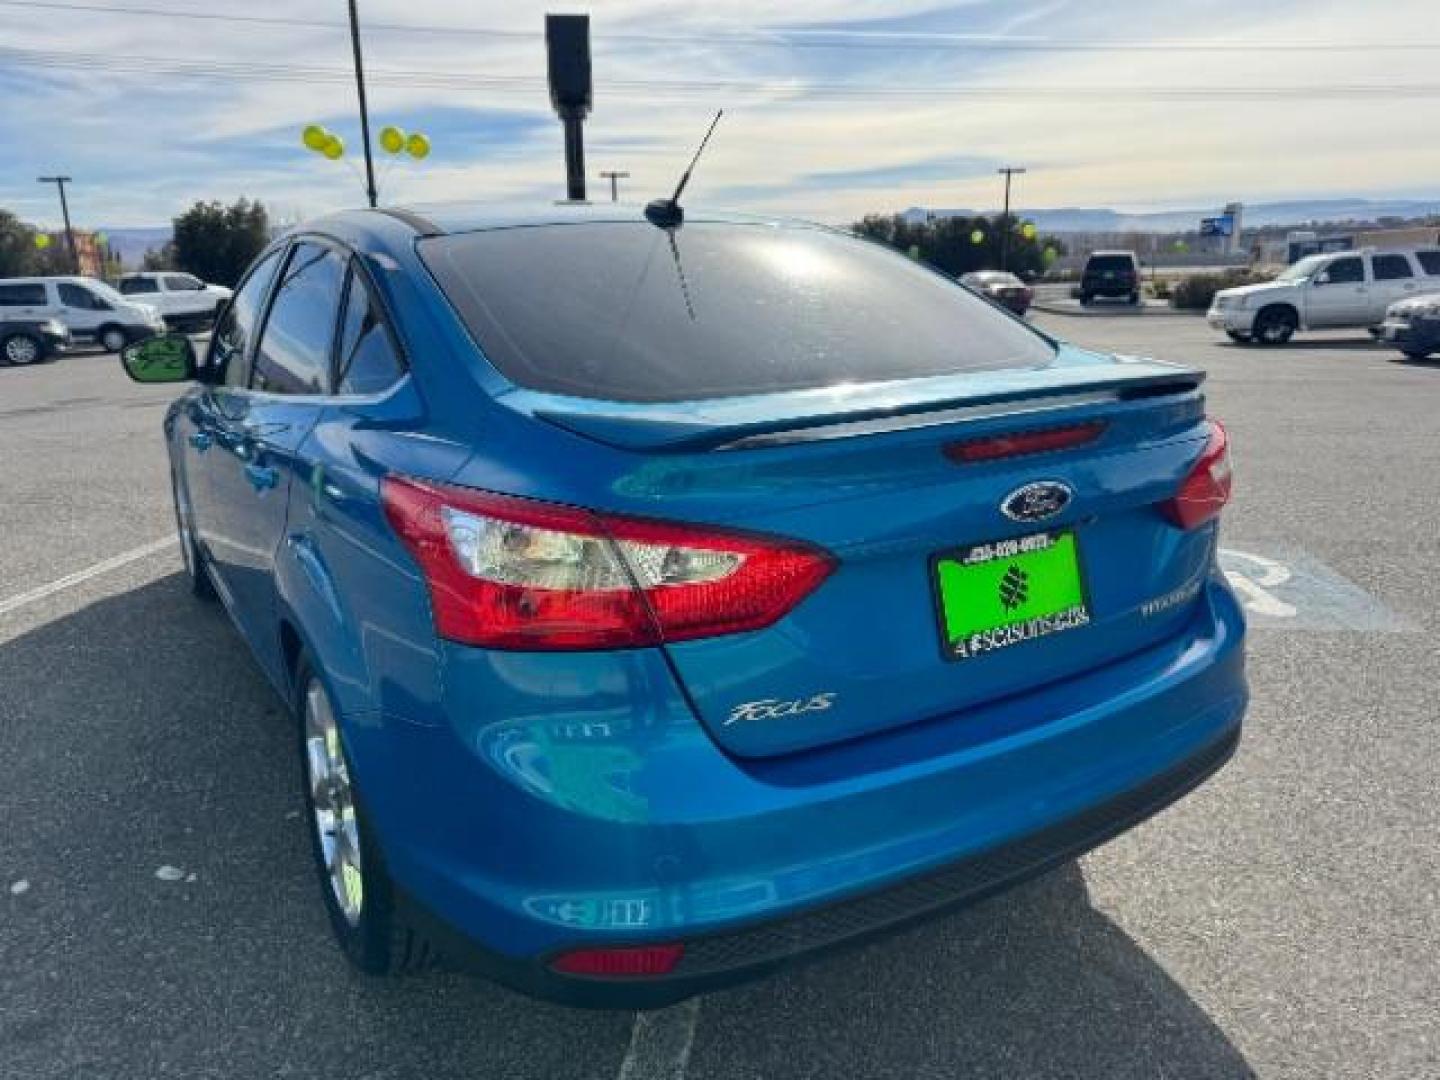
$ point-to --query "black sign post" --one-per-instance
(567, 41)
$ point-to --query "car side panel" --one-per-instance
(343, 578)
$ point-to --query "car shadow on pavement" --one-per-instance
(136, 737)
(170, 924)
(1033, 983)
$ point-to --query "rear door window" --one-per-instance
(629, 312)
(134, 286)
(1429, 262)
(1392, 268)
(294, 352)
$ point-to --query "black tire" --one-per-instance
(375, 936)
(112, 338)
(1417, 356)
(1085, 299)
(1238, 337)
(1275, 325)
(20, 348)
(197, 577)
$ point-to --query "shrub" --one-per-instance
(1195, 292)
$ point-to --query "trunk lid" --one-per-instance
(868, 478)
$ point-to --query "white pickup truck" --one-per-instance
(183, 299)
(1322, 292)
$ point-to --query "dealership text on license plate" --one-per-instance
(993, 596)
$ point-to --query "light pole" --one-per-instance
(60, 182)
(1008, 171)
(364, 111)
(614, 177)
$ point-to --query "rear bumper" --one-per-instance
(528, 839)
(715, 961)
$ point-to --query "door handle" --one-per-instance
(261, 477)
(200, 440)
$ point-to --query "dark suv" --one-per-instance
(1111, 273)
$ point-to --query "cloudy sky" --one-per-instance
(832, 108)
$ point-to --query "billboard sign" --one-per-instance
(1224, 225)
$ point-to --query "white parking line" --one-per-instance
(660, 1043)
(115, 562)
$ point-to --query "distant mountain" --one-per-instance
(1299, 212)
(131, 244)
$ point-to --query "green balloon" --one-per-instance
(42, 241)
(315, 137)
(334, 148)
(977, 237)
(417, 146)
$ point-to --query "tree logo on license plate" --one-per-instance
(1014, 587)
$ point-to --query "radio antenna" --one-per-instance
(668, 213)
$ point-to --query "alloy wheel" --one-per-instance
(332, 803)
(21, 350)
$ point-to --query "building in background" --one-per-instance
(90, 250)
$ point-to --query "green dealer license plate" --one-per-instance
(993, 596)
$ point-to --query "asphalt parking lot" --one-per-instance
(159, 916)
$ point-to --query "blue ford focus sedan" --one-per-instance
(661, 604)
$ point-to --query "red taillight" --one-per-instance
(511, 573)
(1019, 443)
(631, 960)
(1206, 488)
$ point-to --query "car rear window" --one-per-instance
(1102, 263)
(1429, 261)
(630, 312)
(26, 295)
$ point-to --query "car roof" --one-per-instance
(437, 219)
(46, 277)
(1116, 251)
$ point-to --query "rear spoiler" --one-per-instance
(1075, 378)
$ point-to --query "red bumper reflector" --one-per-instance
(631, 961)
(1017, 444)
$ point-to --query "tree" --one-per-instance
(19, 256)
(216, 243)
(161, 258)
(958, 245)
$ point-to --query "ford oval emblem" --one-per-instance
(1038, 501)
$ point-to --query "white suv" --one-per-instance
(183, 299)
(89, 309)
(1321, 292)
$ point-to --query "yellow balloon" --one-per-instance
(392, 140)
(417, 146)
(42, 241)
(1028, 230)
(977, 237)
(334, 148)
(314, 137)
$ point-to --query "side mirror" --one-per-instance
(1322, 278)
(168, 358)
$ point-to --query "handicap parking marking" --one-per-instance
(1285, 588)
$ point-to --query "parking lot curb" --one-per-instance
(1075, 311)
